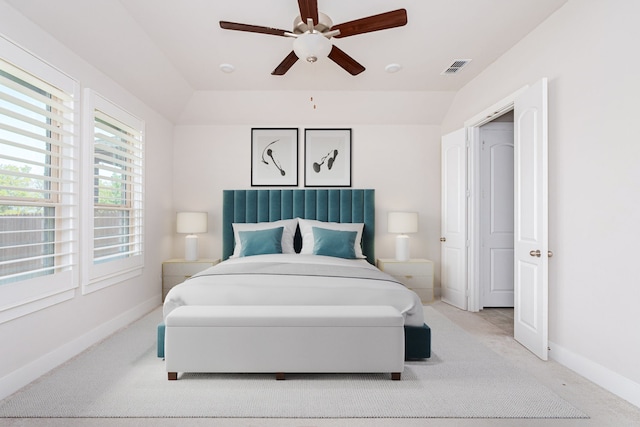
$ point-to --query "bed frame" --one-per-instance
(333, 205)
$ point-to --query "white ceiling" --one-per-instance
(178, 43)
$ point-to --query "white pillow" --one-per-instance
(306, 230)
(289, 231)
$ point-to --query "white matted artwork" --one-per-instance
(327, 157)
(274, 157)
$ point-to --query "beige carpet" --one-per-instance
(121, 377)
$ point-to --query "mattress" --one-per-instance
(296, 279)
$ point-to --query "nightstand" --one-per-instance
(176, 271)
(415, 274)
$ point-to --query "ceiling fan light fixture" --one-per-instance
(312, 46)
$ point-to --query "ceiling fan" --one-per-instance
(313, 30)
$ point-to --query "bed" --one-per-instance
(301, 275)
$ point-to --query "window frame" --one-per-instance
(27, 296)
(96, 276)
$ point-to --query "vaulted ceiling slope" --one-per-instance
(164, 51)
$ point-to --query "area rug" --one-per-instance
(122, 377)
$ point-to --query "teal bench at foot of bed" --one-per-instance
(417, 342)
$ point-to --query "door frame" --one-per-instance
(472, 127)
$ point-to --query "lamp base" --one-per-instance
(402, 247)
(191, 247)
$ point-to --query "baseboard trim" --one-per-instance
(14, 381)
(604, 377)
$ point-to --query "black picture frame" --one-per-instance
(274, 157)
(327, 157)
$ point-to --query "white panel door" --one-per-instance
(531, 244)
(454, 219)
(496, 214)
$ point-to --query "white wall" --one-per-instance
(402, 163)
(587, 50)
(35, 343)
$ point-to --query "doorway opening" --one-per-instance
(460, 226)
(493, 184)
(491, 208)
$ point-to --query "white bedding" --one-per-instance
(211, 288)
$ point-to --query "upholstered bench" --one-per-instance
(284, 339)
(417, 342)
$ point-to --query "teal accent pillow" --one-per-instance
(334, 243)
(261, 242)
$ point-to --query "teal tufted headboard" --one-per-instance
(339, 205)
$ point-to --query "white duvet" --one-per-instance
(212, 287)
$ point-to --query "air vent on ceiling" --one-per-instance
(455, 66)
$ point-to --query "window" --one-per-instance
(44, 205)
(115, 169)
(38, 200)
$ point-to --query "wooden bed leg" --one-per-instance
(395, 376)
(172, 376)
(279, 376)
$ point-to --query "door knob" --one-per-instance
(443, 239)
(535, 253)
(549, 254)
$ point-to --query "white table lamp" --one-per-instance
(402, 223)
(191, 223)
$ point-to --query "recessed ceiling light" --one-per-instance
(227, 68)
(393, 68)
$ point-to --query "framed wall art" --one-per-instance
(327, 154)
(274, 157)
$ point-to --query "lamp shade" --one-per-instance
(192, 222)
(311, 46)
(402, 222)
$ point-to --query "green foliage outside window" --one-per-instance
(16, 187)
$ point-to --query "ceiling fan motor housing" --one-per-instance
(324, 24)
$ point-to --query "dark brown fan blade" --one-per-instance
(285, 64)
(383, 21)
(345, 61)
(251, 28)
(308, 9)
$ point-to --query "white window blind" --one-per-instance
(37, 177)
(117, 202)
